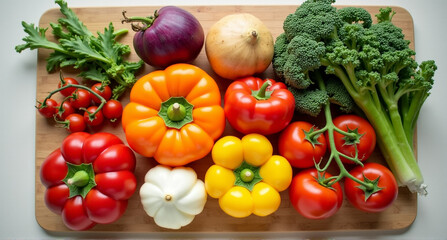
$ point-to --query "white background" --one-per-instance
(17, 121)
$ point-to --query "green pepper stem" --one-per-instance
(247, 175)
(79, 179)
(176, 112)
(262, 93)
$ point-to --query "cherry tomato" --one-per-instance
(294, 146)
(67, 91)
(103, 91)
(366, 141)
(49, 109)
(82, 99)
(377, 201)
(66, 110)
(113, 109)
(76, 122)
(99, 117)
(313, 200)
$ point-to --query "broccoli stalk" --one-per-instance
(375, 65)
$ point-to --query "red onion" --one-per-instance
(172, 35)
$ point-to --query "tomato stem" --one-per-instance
(90, 115)
(335, 154)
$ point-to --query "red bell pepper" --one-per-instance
(89, 179)
(253, 105)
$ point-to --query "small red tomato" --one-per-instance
(380, 197)
(313, 200)
(365, 140)
(103, 91)
(98, 118)
(298, 150)
(64, 82)
(112, 110)
(75, 123)
(81, 99)
(65, 110)
(48, 109)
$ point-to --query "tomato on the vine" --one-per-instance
(102, 90)
(364, 140)
(75, 123)
(374, 199)
(299, 150)
(98, 118)
(64, 82)
(113, 109)
(48, 109)
(313, 200)
(81, 99)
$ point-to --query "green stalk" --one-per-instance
(398, 155)
(401, 160)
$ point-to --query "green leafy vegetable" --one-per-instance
(99, 58)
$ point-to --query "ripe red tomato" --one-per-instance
(294, 146)
(103, 91)
(113, 109)
(365, 143)
(99, 117)
(76, 123)
(48, 109)
(67, 91)
(67, 109)
(377, 201)
(82, 99)
(313, 200)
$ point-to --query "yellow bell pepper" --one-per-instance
(246, 177)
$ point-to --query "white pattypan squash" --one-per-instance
(172, 196)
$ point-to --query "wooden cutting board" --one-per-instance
(400, 215)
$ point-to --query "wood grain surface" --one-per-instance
(48, 137)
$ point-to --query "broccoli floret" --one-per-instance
(374, 63)
(309, 102)
(317, 18)
(355, 15)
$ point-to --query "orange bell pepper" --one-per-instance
(174, 115)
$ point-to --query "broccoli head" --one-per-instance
(373, 62)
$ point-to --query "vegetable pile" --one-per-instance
(329, 63)
(374, 65)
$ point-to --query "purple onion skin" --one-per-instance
(175, 36)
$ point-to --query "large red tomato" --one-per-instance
(377, 198)
(365, 140)
(297, 148)
(89, 179)
(313, 200)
